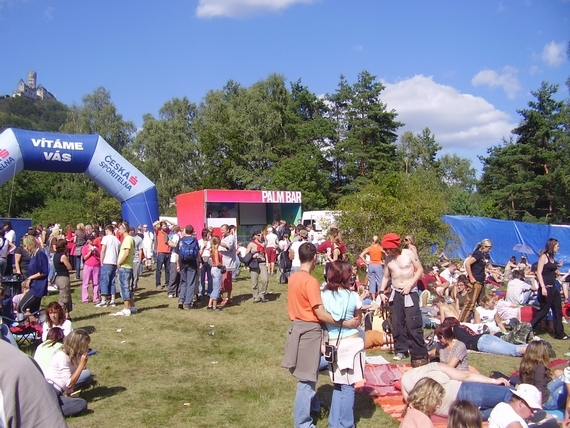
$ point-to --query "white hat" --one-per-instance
(435, 268)
(530, 394)
(114, 223)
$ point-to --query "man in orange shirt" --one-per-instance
(161, 232)
(303, 349)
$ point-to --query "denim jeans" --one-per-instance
(77, 267)
(216, 283)
(107, 279)
(125, 276)
(494, 345)
(305, 403)
(163, 260)
(558, 394)
(342, 407)
(206, 272)
(484, 395)
(188, 273)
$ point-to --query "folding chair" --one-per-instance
(26, 333)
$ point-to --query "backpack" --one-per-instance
(189, 248)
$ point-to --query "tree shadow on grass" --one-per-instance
(141, 295)
(101, 392)
(364, 406)
(140, 310)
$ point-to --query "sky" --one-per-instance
(461, 68)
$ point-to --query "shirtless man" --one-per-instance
(404, 269)
(445, 309)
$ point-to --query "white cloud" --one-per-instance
(462, 123)
(505, 78)
(241, 8)
(553, 54)
(48, 13)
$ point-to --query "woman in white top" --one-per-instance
(487, 314)
(55, 317)
(67, 369)
(348, 368)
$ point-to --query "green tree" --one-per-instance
(528, 177)
(166, 151)
(366, 132)
(419, 152)
(98, 115)
(398, 203)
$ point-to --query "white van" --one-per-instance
(321, 221)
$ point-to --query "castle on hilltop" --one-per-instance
(31, 91)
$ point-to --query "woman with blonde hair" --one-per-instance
(38, 269)
(375, 266)
(422, 402)
(475, 267)
(217, 267)
(464, 414)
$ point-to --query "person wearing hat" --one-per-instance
(259, 276)
(521, 407)
(403, 269)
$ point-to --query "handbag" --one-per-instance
(254, 263)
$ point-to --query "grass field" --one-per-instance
(174, 368)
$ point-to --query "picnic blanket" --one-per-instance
(382, 383)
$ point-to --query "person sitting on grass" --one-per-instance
(67, 371)
(450, 350)
(421, 404)
(55, 317)
(47, 349)
(535, 370)
(464, 414)
(487, 314)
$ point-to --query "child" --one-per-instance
(18, 297)
(464, 414)
(535, 370)
(422, 403)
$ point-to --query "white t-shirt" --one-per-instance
(60, 371)
(11, 236)
(66, 327)
(229, 254)
(515, 291)
(112, 247)
(206, 246)
(271, 240)
(175, 238)
(295, 247)
(4, 247)
(488, 318)
(503, 415)
(148, 239)
(449, 277)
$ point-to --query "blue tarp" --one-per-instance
(505, 235)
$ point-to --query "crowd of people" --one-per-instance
(329, 328)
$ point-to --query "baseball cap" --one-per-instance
(303, 233)
(530, 394)
(390, 240)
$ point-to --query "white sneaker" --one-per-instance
(134, 310)
(122, 313)
(102, 304)
(170, 296)
(52, 288)
(112, 303)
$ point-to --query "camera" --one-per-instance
(330, 353)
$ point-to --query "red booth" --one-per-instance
(247, 209)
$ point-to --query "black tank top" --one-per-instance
(549, 272)
(60, 268)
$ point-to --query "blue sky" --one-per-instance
(461, 68)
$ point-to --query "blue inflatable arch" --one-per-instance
(89, 154)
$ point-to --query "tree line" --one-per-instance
(340, 150)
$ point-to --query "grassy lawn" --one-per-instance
(169, 367)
